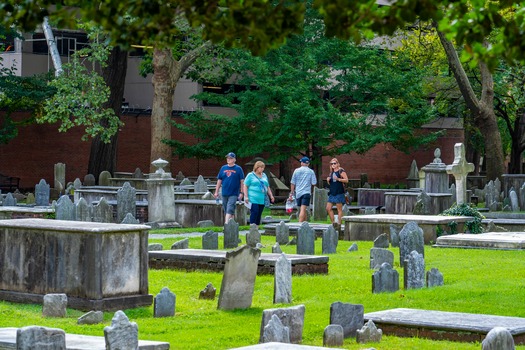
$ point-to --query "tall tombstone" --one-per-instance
(77, 184)
(253, 236)
(40, 338)
(386, 279)
(414, 272)
(282, 233)
(305, 240)
(460, 169)
(413, 176)
(291, 317)
(42, 190)
(9, 200)
(103, 212)
(164, 303)
(89, 180)
(410, 238)
(210, 240)
(499, 338)
(320, 197)
(330, 240)
(436, 177)
(83, 211)
(126, 201)
(349, 316)
(60, 176)
(514, 202)
(238, 279)
(122, 334)
(275, 331)
(65, 209)
(231, 234)
(453, 192)
(200, 185)
(161, 194)
(282, 292)
(103, 178)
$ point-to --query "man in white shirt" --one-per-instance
(302, 183)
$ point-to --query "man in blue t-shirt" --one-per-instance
(231, 179)
(302, 183)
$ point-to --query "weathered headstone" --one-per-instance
(514, 203)
(103, 178)
(9, 200)
(155, 247)
(253, 236)
(208, 292)
(231, 234)
(130, 219)
(353, 247)
(276, 248)
(122, 334)
(320, 197)
(460, 169)
(386, 279)
(30, 198)
(60, 176)
(381, 241)
(378, 256)
(333, 335)
(369, 333)
(453, 192)
(414, 272)
(65, 209)
(185, 182)
(282, 233)
(40, 338)
(182, 244)
(164, 303)
(434, 278)
(89, 180)
(180, 176)
(102, 212)
(275, 331)
(410, 238)
(42, 190)
(282, 281)
(137, 174)
(54, 305)
(499, 338)
(423, 204)
(305, 240)
(394, 235)
(92, 317)
(126, 201)
(77, 184)
(200, 185)
(83, 210)
(349, 316)
(370, 210)
(205, 223)
(291, 317)
(238, 279)
(210, 240)
(330, 240)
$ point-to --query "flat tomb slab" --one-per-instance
(442, 325)
(214, 260)
(19, 212)
(488, 240)
(369, 227)
(506, 224)
(77, 342)
(293, 227)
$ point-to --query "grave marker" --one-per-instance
(122, 334)
(282, 281)
(126, 201)
(434, 278)
(210, 240)
(291, 317)
(282, 233)
(275, 331)
(54, 305)
(330, 240)
(164, 303)
(378, 256)
(499, 338)
(103, 178)
(414, 271)
(231, 234)
(386, 279)
(41, 338)
(208, 292)
(410, 238)
(83, 210)
(305, 240)
(349, 316)
(460, 168)
(333, 335)
(369, 333)
(42, 190)
(65, 209)
(253, 236)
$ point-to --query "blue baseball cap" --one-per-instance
(231, 155)
(305, 160)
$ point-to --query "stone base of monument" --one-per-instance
(441, 325)
(489, 240)
(214, 260)
(189, 212)
(78, 342)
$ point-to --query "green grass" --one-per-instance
(476, 281)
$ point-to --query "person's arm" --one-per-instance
(219, 183)
(241, 192)
(343, 178)
(292, 190)
(270, 194)
(245, 192)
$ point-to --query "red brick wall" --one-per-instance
(33, 153)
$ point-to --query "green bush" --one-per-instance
(474, 225)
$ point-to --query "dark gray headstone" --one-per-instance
(42, 190)
(423, 204)
(130, 220)
(434, 278)
(180, 176)
(210, 240)
(102, 212)
(164, 303)
(381, 241)
(330, 240)
(231, 234)
(122, 334)
(499, 338)
(333, 335)
(410, 238)
(319, 199)
(83, 210)
(155, 247)
(238, 279)
(103, 178)
(200, 185)
(414, 271)
(208, 292)
(282, 281)
(282, 233)
(378, 256)
(126, 201)
(89, 180)
(65, 209)
(9, 200)
(40, 338)
(349, 316)
(92, 317)
(253, 236)
(394, 235)
(137, 174)
(386, 279)
(276, 248)
(291, 317)
(275, 331)
(182, 244)
(55, 305)
(293, 241)
(353, 247)
(369, 333)
(305, 240)
(205, 223)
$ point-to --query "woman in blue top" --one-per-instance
(336, 196)
(256, 188)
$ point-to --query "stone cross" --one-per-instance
(460, 168)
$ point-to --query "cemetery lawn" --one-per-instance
(476, 281)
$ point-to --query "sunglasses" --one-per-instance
(333, 163)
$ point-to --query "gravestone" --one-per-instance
(40, 338)
(210, 240)
(514, 203)
(137, 174)
(522, 196)
(394, 235)
(103, 212)
(126, 201)
(413, 176)
(92, 317)
(291, 317)
(282, 233)
(231, 234)
(330, 240)
(182, 244)
(200, 185)
(349, 316)
(370, 211)
(414, 272)
(386, 279)
(275, 331)
(320, 197)
(305, 240)
(208, 292)
(460, 169)
(83, 210)
(276, 248)
(253, 236)
(65, 209)
(180, 176)
(333, 335)
(9, 200)
(436, 177)
(54, 305)
(153, 247)
(42, 190)
(30, 199)
(89, 180)
(410, 238)
(77, 184)
(60, 176)
(369, 333)
(378, 256)
(122, 334)
(185, 182)
(164, 303)
(282, 281)
(499, 338)
(103, 178)
(381, 241)
(353, 247)
(434, 278)
(453, 192)
(238, 279)
(129, 219)
(161, 195)
(205, 223)
(423, 204)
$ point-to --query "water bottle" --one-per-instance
(217, 200)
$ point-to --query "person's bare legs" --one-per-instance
(339, 212)
(227, 218)
(302, 213)
(330, 211)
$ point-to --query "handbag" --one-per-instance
(267, 202)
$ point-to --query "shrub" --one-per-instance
(474, 225)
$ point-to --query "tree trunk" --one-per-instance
(103, 156)
(518, 143)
